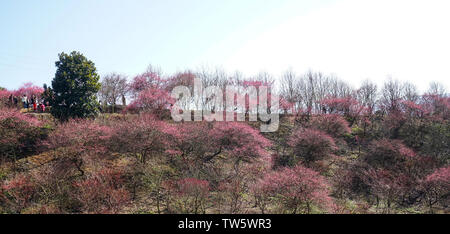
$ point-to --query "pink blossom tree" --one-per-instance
(21, 134)
(30, 90)
(190, 195)
(333, 124)
(5, 98)
(145, 81)
(386, 186)
(17, 192)
(152, 100)
(348, 106)
(436, 188)
(102, 192)
(201, 144)
(77, 142)
(294, 190)
(311, 145)
(141, 137)
(388, 154)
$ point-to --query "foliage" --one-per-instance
(75, 86)
(48, 95)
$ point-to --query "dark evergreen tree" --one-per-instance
(75, 86)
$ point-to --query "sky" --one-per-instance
(354, 40)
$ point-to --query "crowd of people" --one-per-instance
(34, 103)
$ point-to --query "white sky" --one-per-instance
(355, 40)
(352, 39)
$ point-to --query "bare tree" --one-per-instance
(265, 78)
(114, 87)
(391, 94)
(410, 92)
(291, 88)
(288, 87)
(318, 86)
(155, 70)
(309, 91)
(367, 95)
(437, 88)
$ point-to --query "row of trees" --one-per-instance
(76, 88)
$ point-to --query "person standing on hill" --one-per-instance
(10, 101)
(25, 101)
(34, 105)
(43, 107)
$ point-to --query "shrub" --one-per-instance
(332, 124)
(388, 154)
(202, 145)
(21, 134)
(436, 188)
(102, 192)
(17, 193)
(190, 195)
(141, 137)
(311, 145)
(77, 141)
(294, 190)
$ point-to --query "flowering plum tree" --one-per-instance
(29, 89)
(146, 80)
(201, 144)
(150, 94)
(141, 137)
(332, 124)
(348, 106)
(76, 141)
(311, 145)
(388, 154)
(152, 100)
(21, 134)
(436, 187)
(17, 192)
(239, 140)
(102, 192)
(4, 97)
(190, 195)
(387, 186)
(295, 190)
